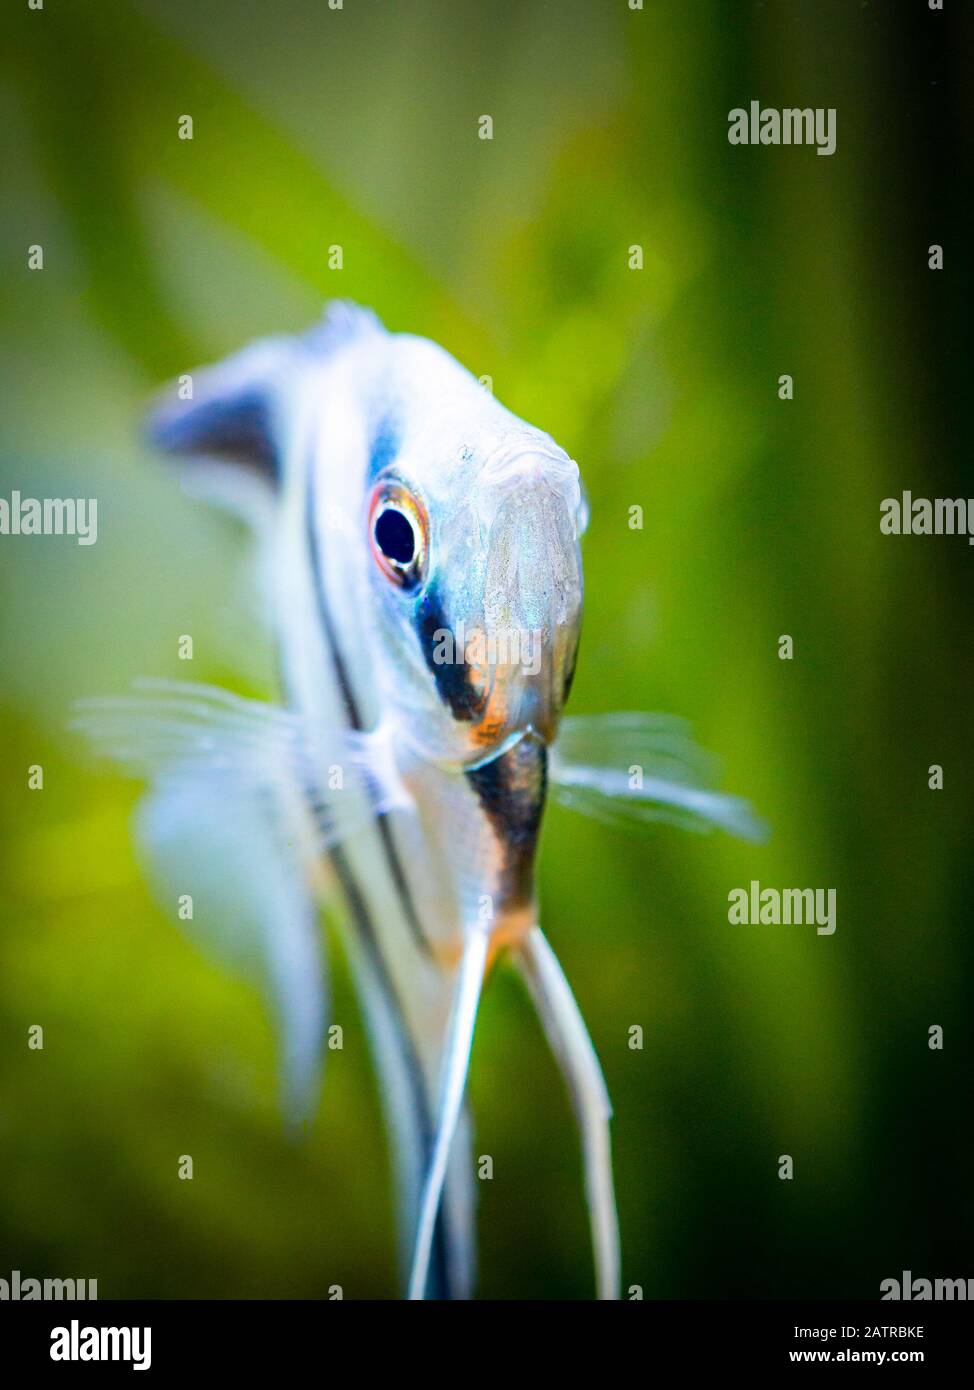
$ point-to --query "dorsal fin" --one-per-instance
(237, 412)
(230, 414)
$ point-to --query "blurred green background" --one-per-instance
(359, 127)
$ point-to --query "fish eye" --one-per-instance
(394, 536)
(398, 534)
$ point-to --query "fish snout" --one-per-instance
(531, 614)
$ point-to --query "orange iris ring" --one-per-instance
(392, 495)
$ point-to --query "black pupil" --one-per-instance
(394, 537)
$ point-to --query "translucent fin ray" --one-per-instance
(633, 769)
(456, 1062)
(568, 1038)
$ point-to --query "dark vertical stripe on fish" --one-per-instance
(511, 789)
(454, 678)
(439, 1264)
(353, 714)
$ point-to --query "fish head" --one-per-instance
(474, 520)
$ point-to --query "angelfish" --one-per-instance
(394, 501)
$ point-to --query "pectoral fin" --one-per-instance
(633, 769)
(227, 862)
(244, 800)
